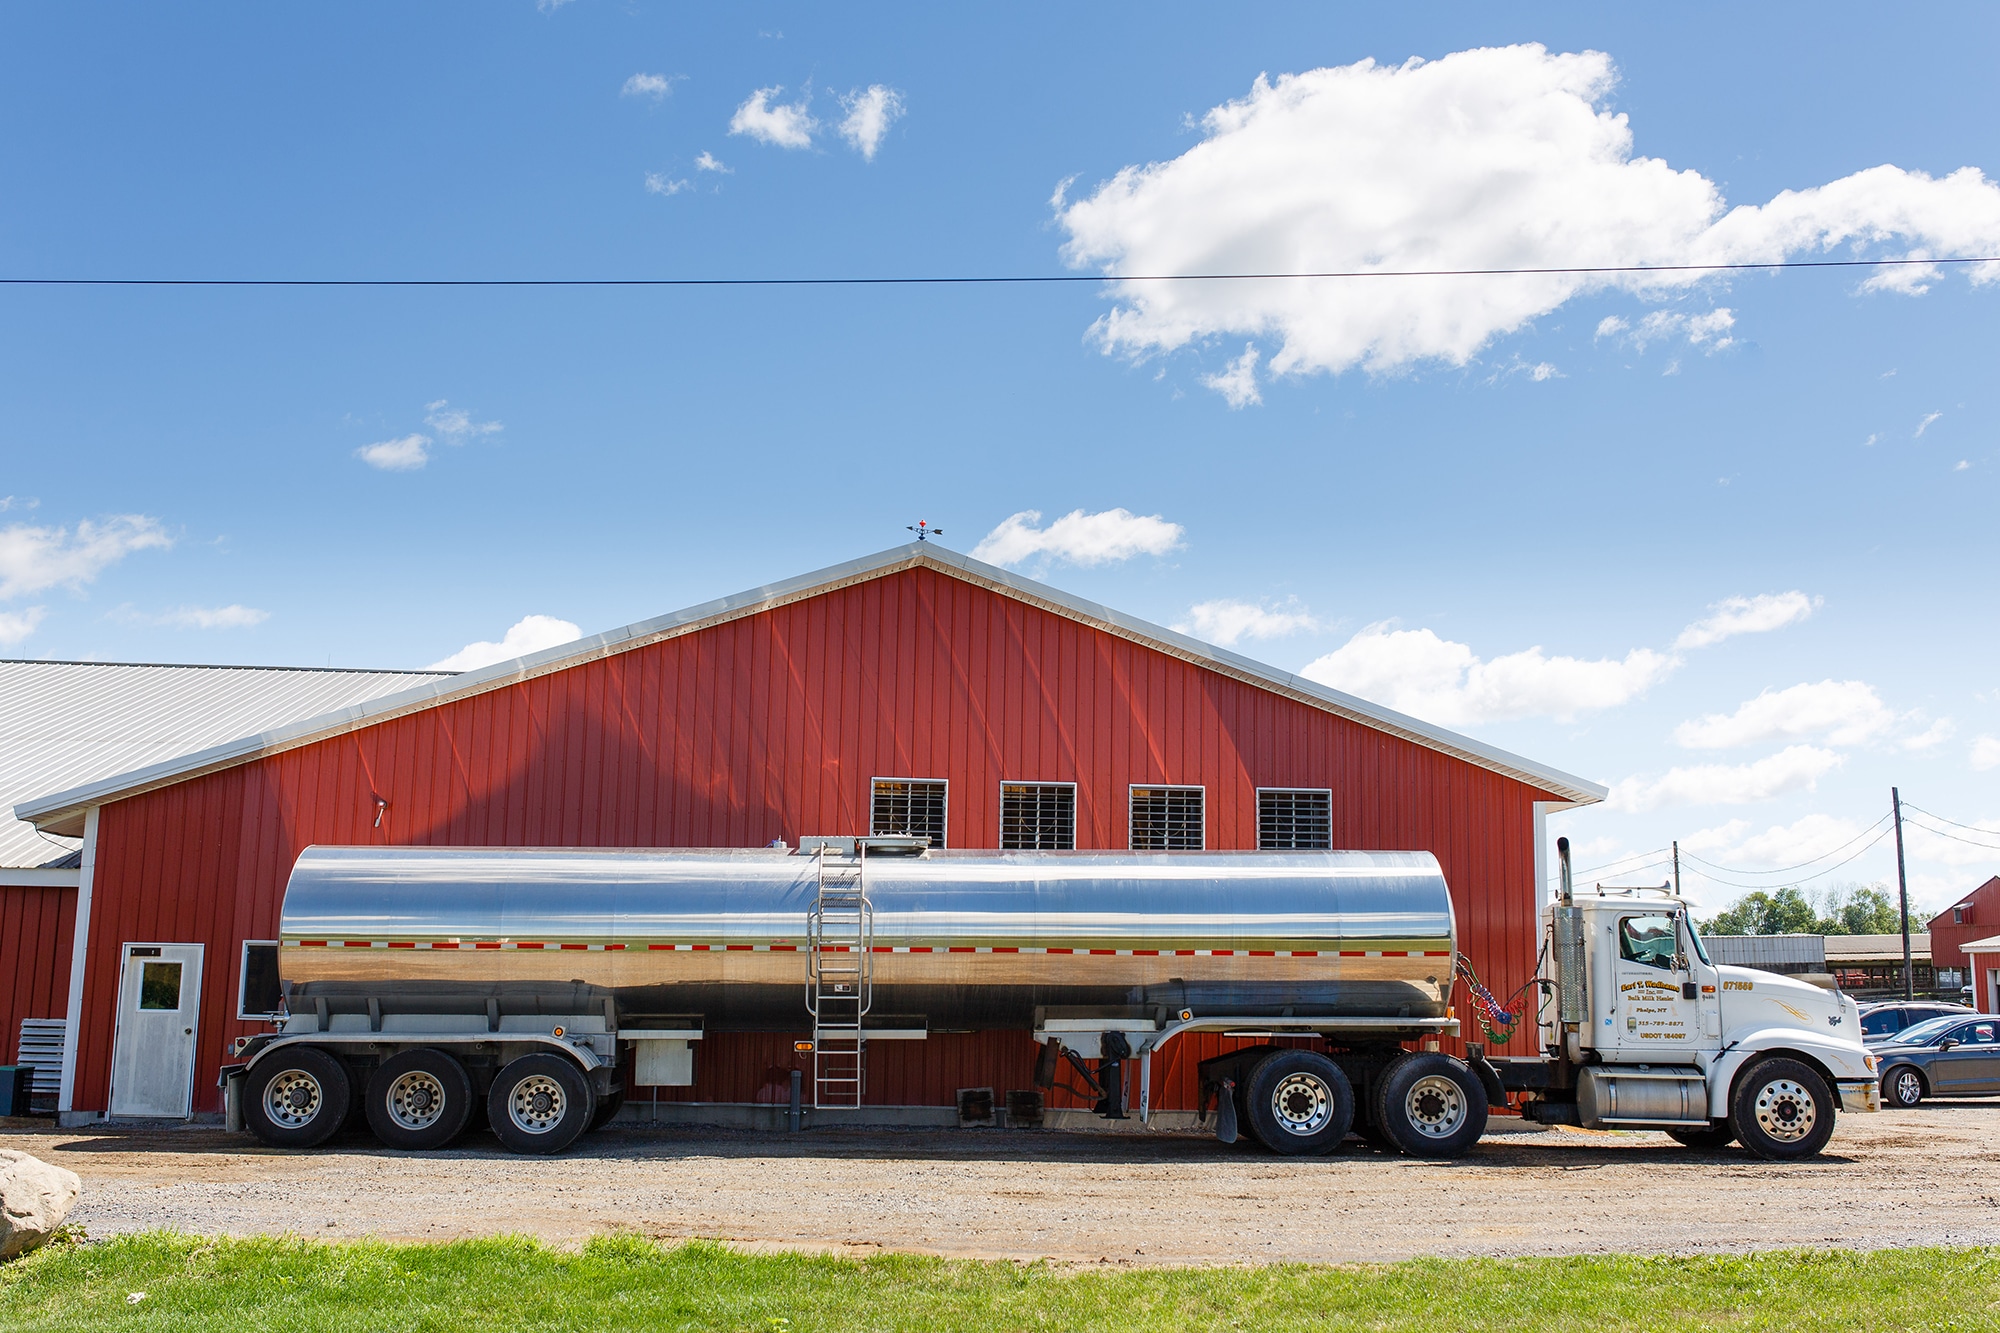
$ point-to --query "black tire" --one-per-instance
(419, 1101)
(1430, 1105)
(1782, 1110)
(607, 1107)
(296, 1097)
(1717, 1135)
(540, 1103)
(1903, 1087)
(1298, 1102)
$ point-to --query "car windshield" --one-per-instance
(1924, 1033)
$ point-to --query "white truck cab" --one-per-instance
(1643, 1031)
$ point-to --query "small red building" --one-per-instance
(1973, 917)
(917, 676)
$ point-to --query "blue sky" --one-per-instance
(1414, 516)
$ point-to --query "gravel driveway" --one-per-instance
(1926, 1176)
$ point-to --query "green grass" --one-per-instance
(220, 1286)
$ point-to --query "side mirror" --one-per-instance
(1947, 1043)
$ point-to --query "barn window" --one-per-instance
(909, 805)
(1167, 819)
(258, 993)
(1037, 816)
(1294, 821)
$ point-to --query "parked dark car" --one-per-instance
(1882, 1021)
(1952, 1056)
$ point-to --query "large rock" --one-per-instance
(34, 1199)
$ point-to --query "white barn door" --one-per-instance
(159, 998)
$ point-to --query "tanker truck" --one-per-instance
(426, 988)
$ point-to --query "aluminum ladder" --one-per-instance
(840, 928)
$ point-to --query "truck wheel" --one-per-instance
(1782, 1109)
(1903, 1086)
(419, 1101)
(1430, 1105)
(1717, 1135)
(1299, 1102)
(296, 1097)
(540, 1103)
(607, 1108)
(1246, 1128)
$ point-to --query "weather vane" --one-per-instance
(924, 530)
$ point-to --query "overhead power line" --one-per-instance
(1932, 814)
(1734, 884)
(992, 280)
(1787, 870)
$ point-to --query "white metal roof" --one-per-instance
(62, 811)
(1991, 944)
(67, 724)
(1864, 948)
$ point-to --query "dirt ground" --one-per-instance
(1925, 1176)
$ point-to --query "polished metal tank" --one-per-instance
(962, 940)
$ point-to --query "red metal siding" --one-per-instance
(1982, 910)
(771, 726)
(37, 925)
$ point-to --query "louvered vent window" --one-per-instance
(1037, 816)
(1167, 819)
(1294, 820)
(909, 805)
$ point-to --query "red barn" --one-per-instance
(1973, 917)
(916, 676)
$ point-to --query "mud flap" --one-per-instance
(1225, 1112)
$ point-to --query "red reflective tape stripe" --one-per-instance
(1223, 953)
(312, 944)
(784, 948)
(355, 944)
(1305, 953)
(529, 944)
(1263, 953)
(654, 946)
(444, 944)
(964, 948)
(1109, 951)
(885, 948)
(402, 944)
(1353, 953)
(576, 946)
(1145, 953)
(736, 947)
(1062, 951)
(1395, 953)
(614, 946)
(1437, 953)
(1185, 953)
(485, 944)
(1005, 948)
(703, 948)
(921, 948)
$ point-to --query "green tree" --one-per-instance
(1786, 912)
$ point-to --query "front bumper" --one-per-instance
(1865, 1095)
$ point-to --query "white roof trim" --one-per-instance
(1991, 944)
(54, 813)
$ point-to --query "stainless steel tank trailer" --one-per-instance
(425, 987)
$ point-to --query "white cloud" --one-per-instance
(1080, 538)
(1709, 329)
(455, 424)
(18, 625)
(1925, 424)
(530, 634)
(1238, 383)
(1845, 712)
(1611, 326)
(1963, 846)
(233, 616)
(658, 183)
(870, 113)
(1747, 615)
(1416, 672)
(1963, 465)
(782, 126)
(1492, 158)
(403, 454)
(1985, 752)
(1224, 621)
(1933, 736)
(34, 559)
(655, 86)
(1792, 768)
(1781, 845)
(710, 162)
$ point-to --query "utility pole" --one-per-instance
(1902, 890)
(1677, 867)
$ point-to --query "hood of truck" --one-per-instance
(1753, 999)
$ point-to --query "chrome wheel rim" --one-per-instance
(537, 1104)
(1302, 1103)
(416, 1100)
(292, 1099)
(1909, 1088)
(1435, 1106)
(1786, 1111)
